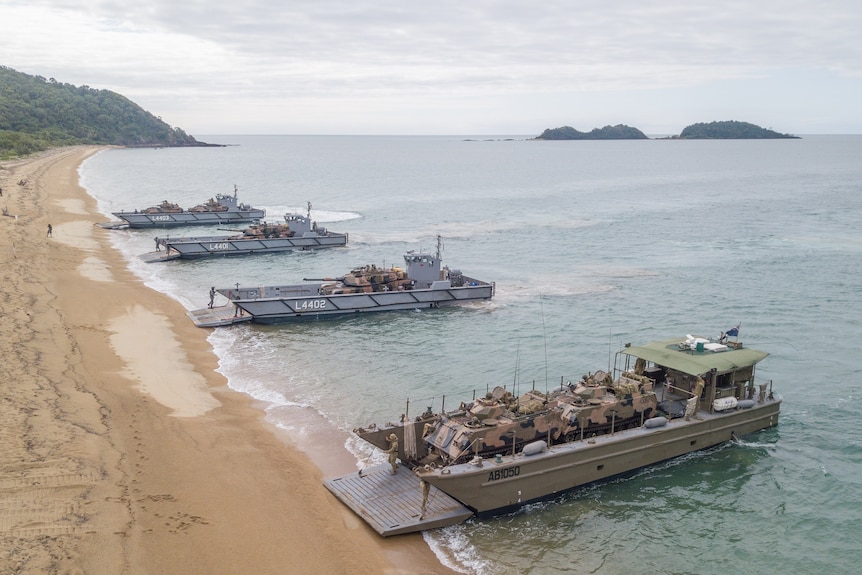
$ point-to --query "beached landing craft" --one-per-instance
(224, 209)
(298, 232)
(424, 284)
(498, 452)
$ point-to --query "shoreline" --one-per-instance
(123, 450)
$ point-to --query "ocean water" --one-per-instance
(591, 245)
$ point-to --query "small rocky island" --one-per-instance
(729, 130)
(618, 132)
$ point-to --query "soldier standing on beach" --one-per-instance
(393, 452)
(50, 231)
(212, 296)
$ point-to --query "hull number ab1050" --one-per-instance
(504, 473)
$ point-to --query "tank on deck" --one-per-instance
(502, 423)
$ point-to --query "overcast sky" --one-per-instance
(460, 67)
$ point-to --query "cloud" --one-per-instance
(334, 58)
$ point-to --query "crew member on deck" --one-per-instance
(393, 452)
(426, 488)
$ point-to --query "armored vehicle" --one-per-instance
(501, 423)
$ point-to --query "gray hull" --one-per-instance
(496, 487)
(425, 284)
(167, 220)
(302, 302)
(201, 247)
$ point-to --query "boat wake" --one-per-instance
(454, 550)
(754, 444)
(321, 216)
(509, 292)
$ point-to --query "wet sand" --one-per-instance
(121, 449)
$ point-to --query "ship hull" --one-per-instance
(302, 302)
(202, 247)
(167, 220)
(497, 487)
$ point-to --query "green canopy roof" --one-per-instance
(669, 354)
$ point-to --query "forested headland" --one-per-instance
(38, 113)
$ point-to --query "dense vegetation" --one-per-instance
(618, 132)
(36, 114)
(729, 130)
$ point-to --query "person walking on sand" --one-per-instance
(50, 231)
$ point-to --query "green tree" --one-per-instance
(36, 114)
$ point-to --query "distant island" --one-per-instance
(618, 132)
(38, 113)
(728, 130)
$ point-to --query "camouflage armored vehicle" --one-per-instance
(266, 230)
(165, 207)
(500, 423)
(368, 279)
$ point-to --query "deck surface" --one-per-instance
(217, 316)
(159, 256)
(392, 504)
(114, 225)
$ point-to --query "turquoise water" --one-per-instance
(591, 245)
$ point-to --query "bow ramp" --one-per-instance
(392, 504)
(217, 316)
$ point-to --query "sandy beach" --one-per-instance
(123, 451)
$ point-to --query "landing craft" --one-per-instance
(662, 400)
(223, 209)
(299, 232)
(424, 284)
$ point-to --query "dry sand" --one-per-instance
(121, 449)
